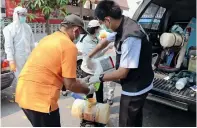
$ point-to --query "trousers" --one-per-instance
(99, 94)
(39, 119)
(131, 110)
(110, 89)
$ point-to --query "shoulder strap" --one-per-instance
(83, 38)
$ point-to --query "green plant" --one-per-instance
(49, 8)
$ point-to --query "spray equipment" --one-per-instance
(175, 45)
(90, 110)
(183, 49)
(87, 108)
(100, 65)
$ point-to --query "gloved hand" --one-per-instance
(12, 66)
(92, 89)
(88, 62)
(111, 37)
(84, 80)
(94, 79)
(80, 53)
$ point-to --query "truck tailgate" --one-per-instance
(166, 89)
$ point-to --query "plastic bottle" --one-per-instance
(180, 84)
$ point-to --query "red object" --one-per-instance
(166, 67)
(189, 29)
(11, 4)
(111, 61)
(5, 64)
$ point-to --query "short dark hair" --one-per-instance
(92, 30)
(108, 8)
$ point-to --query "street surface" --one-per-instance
(155, 115)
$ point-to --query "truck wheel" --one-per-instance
(79, 71)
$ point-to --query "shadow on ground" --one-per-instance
(8, 106)
(158, 115)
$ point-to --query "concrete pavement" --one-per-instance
(155, 115)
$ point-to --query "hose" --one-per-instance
(167, 69)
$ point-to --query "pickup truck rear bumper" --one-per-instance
(7, 79)
(165, 92)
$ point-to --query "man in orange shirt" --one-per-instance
(51, 64)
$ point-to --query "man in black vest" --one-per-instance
(133, 61)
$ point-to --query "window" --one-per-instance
(152, 16)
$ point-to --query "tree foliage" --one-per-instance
(55, 8)
(47, 7)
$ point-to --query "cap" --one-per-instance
(74, 20)
(94, 23)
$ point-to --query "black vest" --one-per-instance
(141, 77)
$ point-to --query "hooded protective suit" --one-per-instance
(19, 40)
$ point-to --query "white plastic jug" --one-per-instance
(91, 111)
(171, 39)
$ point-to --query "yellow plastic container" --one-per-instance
(192, 64)
(91, 111)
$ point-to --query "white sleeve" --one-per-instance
(9, 44)
(32, 41)
(130, 50)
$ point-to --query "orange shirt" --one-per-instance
(41, 79)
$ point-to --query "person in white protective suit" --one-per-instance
(19, 40)
(86, 44)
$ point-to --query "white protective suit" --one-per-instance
(19, 40)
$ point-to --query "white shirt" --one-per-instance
(130, 53)
(87, 44)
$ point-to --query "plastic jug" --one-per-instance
(192, 64)
(91, 111)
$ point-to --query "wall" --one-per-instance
(133, 5)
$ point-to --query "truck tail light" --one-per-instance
(5, 65)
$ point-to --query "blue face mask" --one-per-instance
(22, 19)
(97, 35)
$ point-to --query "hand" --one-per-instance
(80, 53)
(92, 89)
(84, 80)
(94, 79)
(87, 62)
(12, 66)
(111, 37)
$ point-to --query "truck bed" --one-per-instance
(166, 91)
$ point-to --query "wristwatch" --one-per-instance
(101, 77)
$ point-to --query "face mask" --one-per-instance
(76, 40)
(22, 19)
(105, 28)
